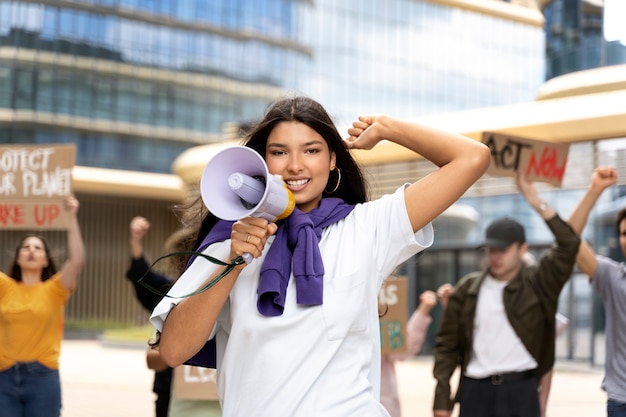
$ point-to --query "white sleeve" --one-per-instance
(189, 282)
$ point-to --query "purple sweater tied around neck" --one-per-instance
(297, 238)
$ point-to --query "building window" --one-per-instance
(24, 93)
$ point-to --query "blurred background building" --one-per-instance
(146, 89)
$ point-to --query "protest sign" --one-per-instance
(194, 383)
(393, 306)
(34, 180)
(538, 160)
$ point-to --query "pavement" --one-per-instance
(103, 379)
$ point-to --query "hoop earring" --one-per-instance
(338, 182)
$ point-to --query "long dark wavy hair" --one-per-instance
(15, 271)
(352, 187)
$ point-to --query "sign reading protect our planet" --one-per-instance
(538, 160)
(34, 180)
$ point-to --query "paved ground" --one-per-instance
(101, 380)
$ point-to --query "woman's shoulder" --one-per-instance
(389, 201)
(55, 282)
(5, 278)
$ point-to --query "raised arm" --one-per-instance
(139, 226)
(76, 251)
(529, 192)
(601, 179)
(461, 161)
(139, 272)
(443, 294)
(417, 326)
(418, 323)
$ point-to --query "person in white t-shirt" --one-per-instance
(443, 294)
(296, 330)
(499, 325)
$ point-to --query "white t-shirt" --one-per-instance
(312, 360)
(496, 347)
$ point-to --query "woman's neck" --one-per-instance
(31, 277)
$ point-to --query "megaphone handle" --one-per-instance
(247, 257)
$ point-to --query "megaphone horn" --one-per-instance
(236, 183)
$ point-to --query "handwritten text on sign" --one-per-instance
(25, 214)
(194, 383)
(34, 180)
(393, 305)
(538, 160)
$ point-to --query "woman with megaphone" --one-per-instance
(295, 331)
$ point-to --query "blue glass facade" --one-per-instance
(414, 58)
(187, 67)
(152, 78)
(575, 38)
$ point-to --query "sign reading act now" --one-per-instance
(537, 160)
(34, 180)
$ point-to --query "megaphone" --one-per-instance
(236, 183)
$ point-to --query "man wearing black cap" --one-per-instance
(499, 325)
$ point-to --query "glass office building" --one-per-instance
(583, 34)
(135, 83)
(414, 58)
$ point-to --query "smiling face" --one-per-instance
(302, 157)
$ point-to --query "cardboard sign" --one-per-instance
(393, 306)
(538, 160)
(195, 383)
(34, 180)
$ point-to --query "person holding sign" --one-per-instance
(608, 277)
(32, 298)
(416, 329)
(499, 325)
(306, 341)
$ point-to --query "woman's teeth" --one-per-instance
(297, 183)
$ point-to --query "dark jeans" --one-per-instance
(30, 390)
(615, 409)
(483, 398)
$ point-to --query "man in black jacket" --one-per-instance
(499, 326)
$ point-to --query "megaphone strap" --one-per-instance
(228, 267)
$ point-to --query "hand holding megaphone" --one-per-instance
(236, 183)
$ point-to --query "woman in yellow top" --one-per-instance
(32, 300)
